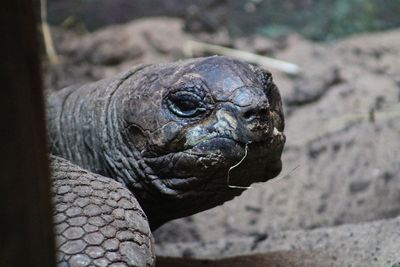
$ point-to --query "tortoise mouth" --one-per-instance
(208, 162)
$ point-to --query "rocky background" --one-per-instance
(315, 19)
(339, 191)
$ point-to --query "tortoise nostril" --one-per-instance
(256, 113)
(250, 114)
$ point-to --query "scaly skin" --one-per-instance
(171, 132)
(98, 222)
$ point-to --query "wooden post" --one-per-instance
(26, 235)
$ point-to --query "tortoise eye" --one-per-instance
(185, 104)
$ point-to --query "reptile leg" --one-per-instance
(98, 222)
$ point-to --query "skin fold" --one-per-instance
(170, 133)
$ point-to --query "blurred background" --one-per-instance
(341, 161)
(318, 20)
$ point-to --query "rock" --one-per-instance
(109, 51)
(364, 244)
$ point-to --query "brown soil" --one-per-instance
(341, 162)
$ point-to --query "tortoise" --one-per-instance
(156, 143)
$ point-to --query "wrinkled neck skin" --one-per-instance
(84, 128)
(126, 128)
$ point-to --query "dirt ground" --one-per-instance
(341, 161)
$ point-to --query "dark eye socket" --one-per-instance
(185, 104)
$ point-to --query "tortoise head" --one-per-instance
(192, 122)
